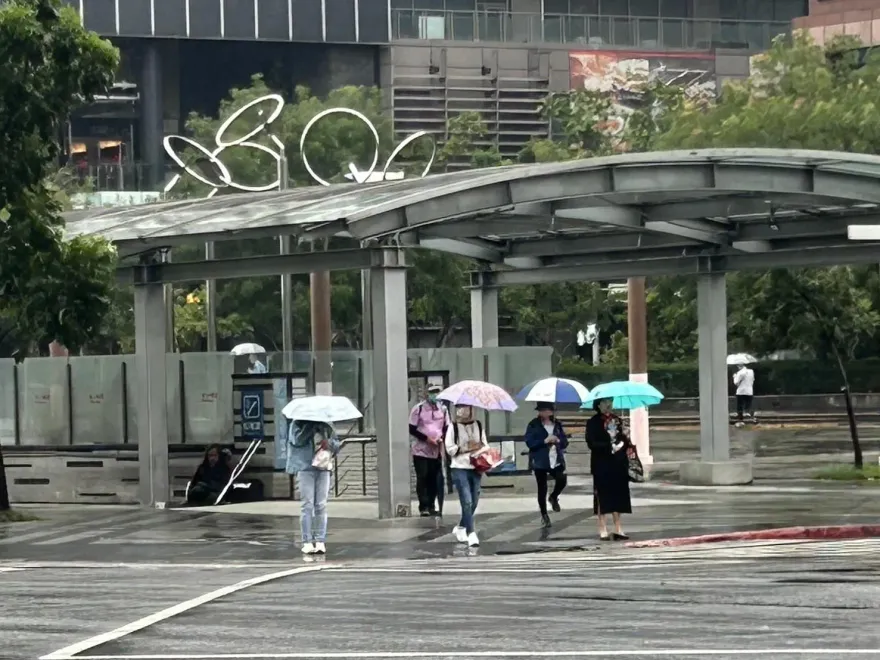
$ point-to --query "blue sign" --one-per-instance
(252, 413)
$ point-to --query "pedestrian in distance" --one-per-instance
(547, 442)
(311, 447)
(609, 466)
(428, 421)
(744, 380)
(464, 438)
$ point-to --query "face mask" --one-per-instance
(432, 398)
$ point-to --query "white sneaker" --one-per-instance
(460, 534)
(472, 540)
(320, 548)
(308, 549)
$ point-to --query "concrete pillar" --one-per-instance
(211, 303)
(389, 371)
(286, 309)
(366, 363)
(715, 466)
(322, 333)
(152, 128)
(152, 418)
(484, 317)
(637, 340)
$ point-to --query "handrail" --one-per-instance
(640, 32)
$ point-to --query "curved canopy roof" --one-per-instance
(633, 214)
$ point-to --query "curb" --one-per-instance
(779, 534)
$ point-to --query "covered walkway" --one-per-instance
(701, 212)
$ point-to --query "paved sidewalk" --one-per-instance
(267, 531)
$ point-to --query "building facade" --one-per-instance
(432, 58)
(829, 18)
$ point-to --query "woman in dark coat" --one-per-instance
(609, 467)
(547, 442)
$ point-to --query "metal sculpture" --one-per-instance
(222, 142)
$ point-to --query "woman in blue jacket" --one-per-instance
(547, 442)
(311, 447)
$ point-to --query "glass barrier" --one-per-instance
(96, 399)
(8, 378)
(590, 30)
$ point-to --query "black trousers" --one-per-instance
(429, 475)
(541, 478)
(743, 404)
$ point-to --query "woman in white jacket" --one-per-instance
(463, 438)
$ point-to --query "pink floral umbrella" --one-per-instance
(478, 394)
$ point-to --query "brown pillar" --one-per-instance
(637, 340)
(319, 291)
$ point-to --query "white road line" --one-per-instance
(68, 652)
(10, 570)
(380, 655)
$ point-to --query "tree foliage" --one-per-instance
(49, 288)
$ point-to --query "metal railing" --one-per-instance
(590, 30)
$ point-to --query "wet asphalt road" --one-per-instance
(794, 597)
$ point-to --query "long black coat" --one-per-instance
(610, 469)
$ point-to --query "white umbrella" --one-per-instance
(740, 358)
(247, 349)
(327, 409)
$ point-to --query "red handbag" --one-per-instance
(486, 460)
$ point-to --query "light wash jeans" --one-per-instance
(467, 483)
(314, 488)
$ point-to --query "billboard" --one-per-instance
(624, 75)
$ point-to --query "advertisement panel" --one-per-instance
(625, 75)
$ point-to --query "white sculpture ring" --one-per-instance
(279, 106)
(408, 140)
(225, 176)
(327, 113)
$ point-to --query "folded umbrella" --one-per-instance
(328, 409)
(554, 390)
(478, 394)
(625, 394)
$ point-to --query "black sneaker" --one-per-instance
(554, 502)
(425, 514)
(545, 521)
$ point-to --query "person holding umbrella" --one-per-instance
(468, 448)
(312, 444)
(613, 459)
(547, 441)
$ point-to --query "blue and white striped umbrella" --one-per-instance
(554, 390)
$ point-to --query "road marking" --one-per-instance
(10, 570)
(51, 529)
(501, 655)
(68, 652)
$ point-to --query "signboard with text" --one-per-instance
(252, 413)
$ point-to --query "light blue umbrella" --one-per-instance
(626, 395)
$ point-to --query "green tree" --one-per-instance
(49, 288)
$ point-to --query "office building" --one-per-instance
(433, 58)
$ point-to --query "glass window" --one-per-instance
(584, 6)
(730, 9)
(785, 10)
(401, 4)
(757, 10)
(460, 5)
(556, 7)
(644, 7)
(675, 8)
(613, 8)
(428, 4)
(648, 31)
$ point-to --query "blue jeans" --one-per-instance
(314, 488)
(467, 483)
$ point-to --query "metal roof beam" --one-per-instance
(257, 266)
(858, 253)
(471, 248)
(627, 217)
(600, 243)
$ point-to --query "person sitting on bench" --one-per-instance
(211, 478)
